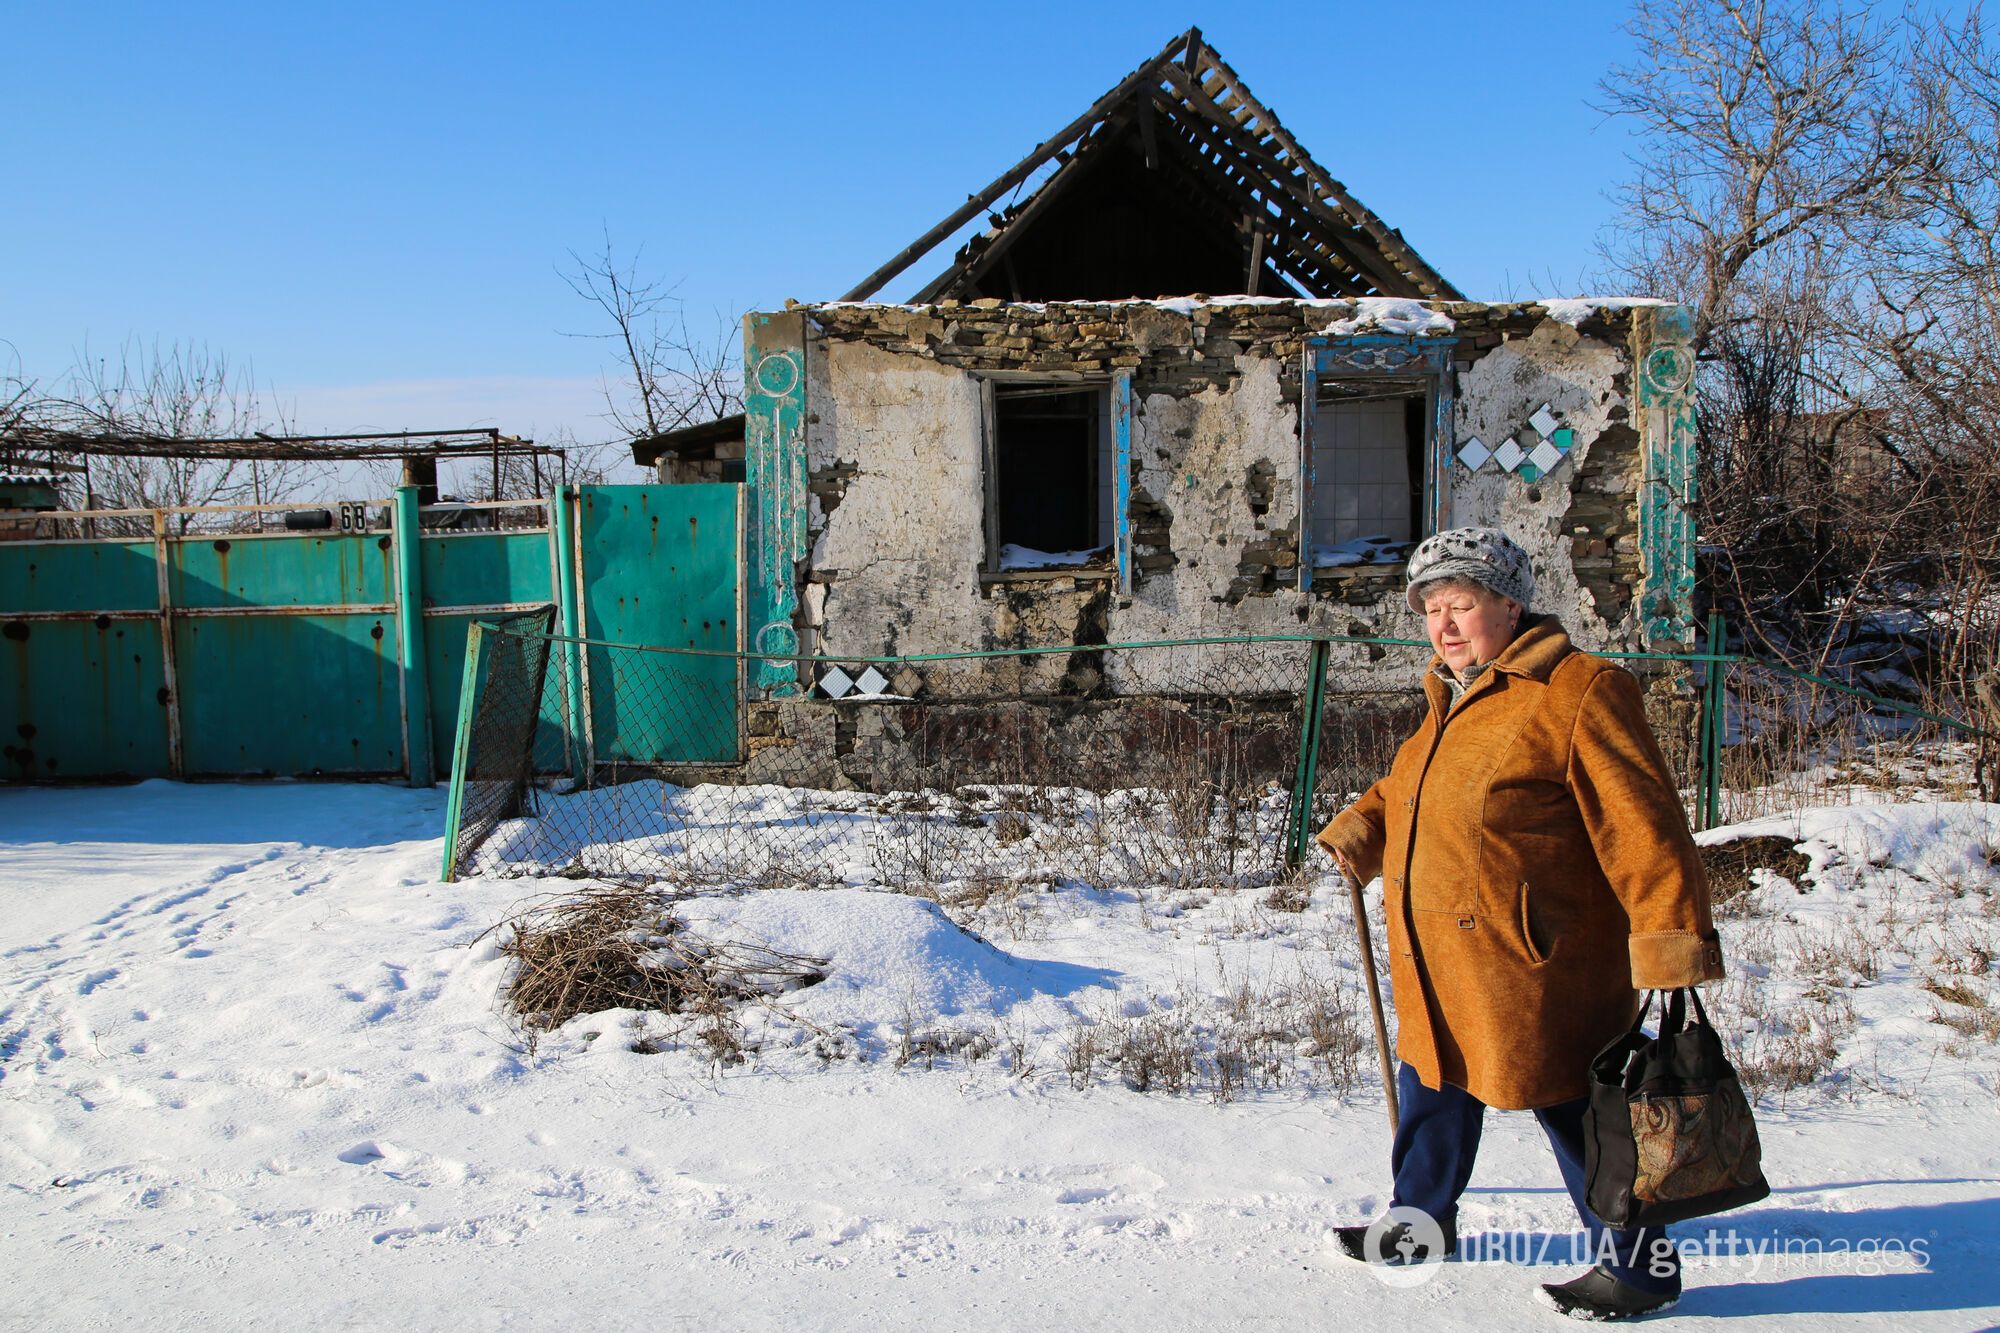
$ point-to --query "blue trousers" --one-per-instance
(1437, 1139)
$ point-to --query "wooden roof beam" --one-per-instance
(1428, 280)
(963, 273)
(1285, 229)
(1364, 258)
(1026, 167)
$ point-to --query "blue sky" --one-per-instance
(369, 203)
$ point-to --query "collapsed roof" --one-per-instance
(1177, 181)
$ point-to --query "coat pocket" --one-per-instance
(1531, 939)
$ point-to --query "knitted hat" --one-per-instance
(1486, 556)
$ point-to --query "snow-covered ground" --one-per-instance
(254, 1072)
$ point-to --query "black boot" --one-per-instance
(1599, 1295)
(1396, 1244)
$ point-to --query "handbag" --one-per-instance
(1668, 1133)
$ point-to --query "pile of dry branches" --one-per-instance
(613, 946)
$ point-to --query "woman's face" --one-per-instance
(1469, 624)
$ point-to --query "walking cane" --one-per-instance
(1374, 993)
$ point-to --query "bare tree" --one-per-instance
(1822, 185)
(1777, 153)
(1921, 324)
(1762, 124)
(18, 395)
(669, 375)
(176, 392)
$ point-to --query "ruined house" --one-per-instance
(1187, 386)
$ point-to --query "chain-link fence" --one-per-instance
(1112, 765)
(1781, 739)
(1125, 767)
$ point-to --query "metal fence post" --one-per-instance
(576, 658)
(407, 531)
(1299, 818)
(461, 744)
(1713, 702)
(169, 668)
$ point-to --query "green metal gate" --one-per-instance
(338, 654)
(659, 567)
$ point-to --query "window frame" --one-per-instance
(1388, 358)
(1115, 416)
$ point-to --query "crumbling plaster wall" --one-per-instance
(1579, 522)
(896, 521)
(896, 515)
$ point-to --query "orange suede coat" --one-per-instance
(1536, 868)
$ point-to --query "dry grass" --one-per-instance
(1254, 1037)
(1966, 1010)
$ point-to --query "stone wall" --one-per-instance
(1244, 744)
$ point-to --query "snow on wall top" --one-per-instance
(1574, 310)
(1385, 314)
(1391, 314)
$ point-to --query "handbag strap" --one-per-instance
(1673, 1012)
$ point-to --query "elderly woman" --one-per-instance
(1537, 873)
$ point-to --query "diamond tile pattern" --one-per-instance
(836, 684)
(1531, 454)
(872, 681)
(907, 682)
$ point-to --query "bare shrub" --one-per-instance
(1158, 1050)
(1014, 1040)
(1796, 1045)
(1840, 955)
(1083, 1048)
(1335, 1039)
(927, 1044)
(1291, 894)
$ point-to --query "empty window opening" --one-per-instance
(1368, 469)
(1051, 475)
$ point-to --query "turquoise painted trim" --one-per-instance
(1308, 427)
(774, 406)
(461, 745)
(1381, 356)
(1121, 476)
(1663, 338)
(407, 533)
